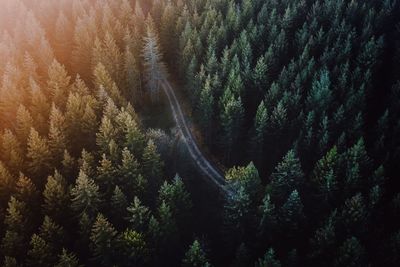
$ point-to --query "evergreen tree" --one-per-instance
(39, 253)
(106, 176)
(292, 212)
(195, 256)
(6, 183)
(269, 260)
(119, 204)
(134, 248)
(57, 135)
(155, 68)
(260, 128)
(25, 190)
(103, 240)
(206, 105)
(56, 197)
(24, 123)
(138, 215)
(58, 83)
(67, 259)
(52, 233)
(177, 198)
(39, 154)
(152, 167)
(287, 176)
(351, 253)
(231, 121)
(85, 196)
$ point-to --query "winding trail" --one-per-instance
(204, 165)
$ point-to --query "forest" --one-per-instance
(199, 133)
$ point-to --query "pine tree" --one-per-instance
(14, 241)
(24, 123)
(133, 248)
(351, 253)
(103, 240)
(63, 38)
(292, 212)
(177, 198)
(105, 85)
(119, 204)
(39, 155)
(260, 128)
(57, 135)
(129, 174)
(134, 139)
(10, 262)
(246, 177)
(26, 190)
(52, 233)
(206, 105)
(56, 197)
(6, 183)
(152, 167)
(133, 90)
(320, 96)
(324, 174)
(138, 215)
(85, 195)
(106, 176)
(107, 133)
(58, 83)
(355, 213)
(67, 259)
(260, 75)
(12, 153)
(167, 33)
(287, 176)
(232, 121)
(155, 69)
(268, 220)
(39, 253)
(195, 256)
(269, 260)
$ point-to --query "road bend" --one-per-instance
(203, 164)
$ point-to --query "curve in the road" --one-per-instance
(204, 165)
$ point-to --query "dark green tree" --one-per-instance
(195, 256)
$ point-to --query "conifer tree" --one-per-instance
(67, 259)
(287, 176)
(152, 166)
(26, 190)
(134, 248)
(103, 240)
(232, 121)
(292, 212)
(39, 154)
(24, 123)
(85, 195)
(6, 183)
(269, 260)
(58, 83)
(39, 253)
(195, 256)
(155, 68)
(138, 215)
(57, 135)
(119, 204)
(206, 104)
(52, 233)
